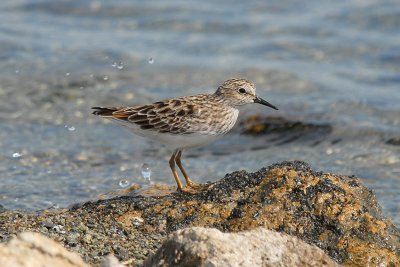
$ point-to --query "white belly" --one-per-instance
(173, 141)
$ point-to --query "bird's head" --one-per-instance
(238, 92)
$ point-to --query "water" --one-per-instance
(331, 63)
(16, 155)
(123, 183)
(119, 65)
(146, 172)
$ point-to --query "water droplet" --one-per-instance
(70, 128)
(123, 183)
(105, 78)
(146, 171)
(16, 155)
(151, 60)
(67, 74)
(120, 66)
(329, 151)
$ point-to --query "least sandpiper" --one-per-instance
(187, 121)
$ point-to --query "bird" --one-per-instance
(188, 121)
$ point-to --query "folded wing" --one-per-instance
(170, 116)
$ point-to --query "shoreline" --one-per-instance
(335, 212)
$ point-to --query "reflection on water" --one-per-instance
(331, 64)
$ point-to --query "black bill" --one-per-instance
(261, 101)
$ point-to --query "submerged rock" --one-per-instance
(336, 213)
(281, 131)
(393, 141)
(260, 247)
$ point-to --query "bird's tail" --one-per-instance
(104, 111)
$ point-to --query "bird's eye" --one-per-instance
(242, 90)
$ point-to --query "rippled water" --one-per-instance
(320, 62)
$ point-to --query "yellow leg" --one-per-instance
(174, 173)
(189, 182)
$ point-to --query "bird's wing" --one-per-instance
(169, 116)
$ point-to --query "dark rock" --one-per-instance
(336, 213)
(393, 141)
(280, 131)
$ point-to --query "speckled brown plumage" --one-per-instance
(184, 115)
(187, 121)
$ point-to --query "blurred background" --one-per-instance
(333, 69)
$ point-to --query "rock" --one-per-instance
(260, 247)
(32, 249)
(334, 212)
(278, 130)
(393, 141)
(111, 261)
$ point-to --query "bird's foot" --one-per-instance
(193, 188)
(191, 184)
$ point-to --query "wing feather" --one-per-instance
(169, 116)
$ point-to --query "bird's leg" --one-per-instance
(172, 166)
(189, 182)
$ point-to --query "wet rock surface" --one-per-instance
(282, 131)
(260, 247)
(336, 213)
(393, 141)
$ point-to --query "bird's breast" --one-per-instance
(223, 120)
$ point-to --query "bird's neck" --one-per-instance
(224, 101)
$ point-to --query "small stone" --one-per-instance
(111, 261)
(87, 238)
(81, 227)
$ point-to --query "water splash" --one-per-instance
(70, 128)
(16, 155)
(118, 65)
(146, 171)
(124, 183)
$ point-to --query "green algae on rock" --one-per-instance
(336, 213)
